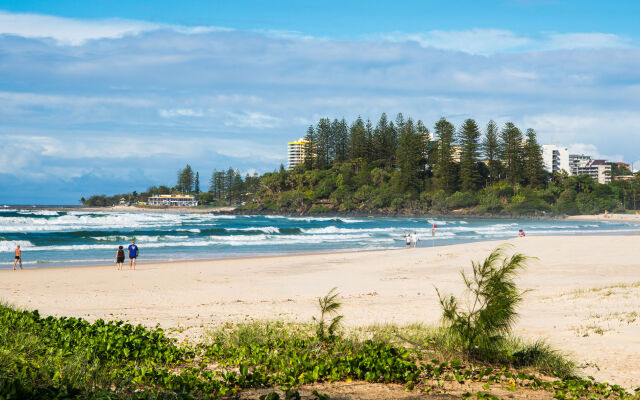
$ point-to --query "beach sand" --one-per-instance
(584, 298)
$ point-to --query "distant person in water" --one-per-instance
(120, 258)
(407, 238)
(521, 233)
(415, 239)
(18, 258)
(133, 254)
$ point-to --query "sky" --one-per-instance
(113, 96)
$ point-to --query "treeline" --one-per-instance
(400, 166)
(225, 188)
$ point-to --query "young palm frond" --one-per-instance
(329, 306)
(494, 296)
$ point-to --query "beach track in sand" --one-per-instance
(584, 292)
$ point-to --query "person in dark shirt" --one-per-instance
(119, 258)
(133, 254)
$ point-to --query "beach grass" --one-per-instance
(49, 357)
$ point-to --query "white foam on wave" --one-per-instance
(265, 229)
(38, 212)
(74, 221)
(10, 245)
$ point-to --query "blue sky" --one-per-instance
(113, 96)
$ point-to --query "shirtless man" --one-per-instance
(18, 258)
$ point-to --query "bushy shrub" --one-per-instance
(484, 323)
(461, 199)
(489, 203)
(567, 202)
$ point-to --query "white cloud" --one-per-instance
(251, 120)
(473, 41)
(181, 112)
(592, 150)
(75, 32)
(567, 41)
(492, 41)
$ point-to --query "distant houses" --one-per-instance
(173, 200)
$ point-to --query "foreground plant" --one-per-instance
(329, 306)
(483, 323)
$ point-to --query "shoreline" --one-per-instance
(231, 210)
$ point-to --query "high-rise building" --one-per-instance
(598, 170)
(295, 152)
(555, 158)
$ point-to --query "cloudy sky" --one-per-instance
(113, 96)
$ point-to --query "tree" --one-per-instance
(324, 146)
(340, 136)
(310, 149)
(491, 151)
(533, 163)
(358, 139)
(494, 298)
(511, 152)
(445, 168)
(469, 135)
(385, 141)
(410, 157)
(185, 179)
(197, 183)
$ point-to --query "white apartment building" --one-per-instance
(295, 153)
(555, 158)
(598, 170)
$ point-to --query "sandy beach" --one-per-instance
(584, 298)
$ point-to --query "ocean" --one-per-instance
(52, 238)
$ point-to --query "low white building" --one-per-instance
(173, 200)
(555, 158)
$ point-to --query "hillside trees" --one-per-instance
(469, 136)
(491, 151)
(445, 166)
(511, 153)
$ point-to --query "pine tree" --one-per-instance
(410, 157)
(197, 183)
(445, 167)
(185, 179)
(310, 146)
(511, 153)
(324, 147)
(340, 134)
(370, 144)
(385, 142)
(491, 151)
(358, 138)
(534, 165)
(469, 136)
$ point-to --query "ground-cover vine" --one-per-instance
(70, 358)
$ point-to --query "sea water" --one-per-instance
(86, 237)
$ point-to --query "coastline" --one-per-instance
(585, 290)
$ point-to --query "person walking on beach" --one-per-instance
(407, 238)
(119, 258)
(18, 258)
(415, 239)
(133, 254)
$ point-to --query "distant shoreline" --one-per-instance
(230, 210)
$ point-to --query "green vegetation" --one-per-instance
(482, 328)
(49, 358)
(399, 167)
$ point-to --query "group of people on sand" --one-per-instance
(132, 249)
(133, 255)
(411, 237)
